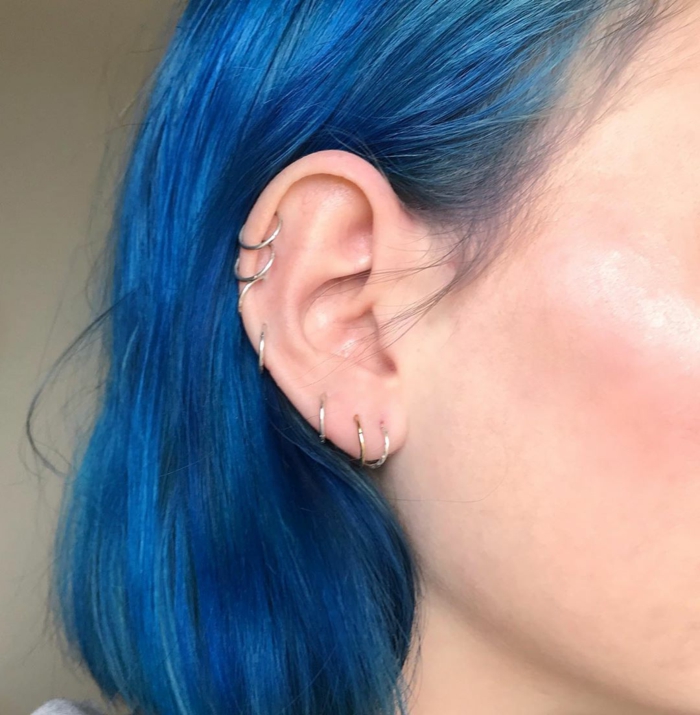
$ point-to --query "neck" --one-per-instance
(456, 668)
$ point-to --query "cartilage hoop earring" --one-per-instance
(322, 418)
(259, 274)
(267, 241)
(360, 434)
(261, 351)
(250, 280)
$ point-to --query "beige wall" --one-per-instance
(67, 70)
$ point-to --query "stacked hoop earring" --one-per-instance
(377, 462)
(260, 275)
(360, 435)
(250, 280)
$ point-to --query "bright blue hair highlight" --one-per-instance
(212, 556)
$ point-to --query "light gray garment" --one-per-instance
(61, 706)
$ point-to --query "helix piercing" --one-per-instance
(258, 246)
(250, 280)
(260, 273)
(261, 350)
(377, 462)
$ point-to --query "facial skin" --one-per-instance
(544, 421)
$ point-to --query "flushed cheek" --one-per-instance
(622, 332)
(606, 494)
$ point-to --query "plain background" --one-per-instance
(69, 70)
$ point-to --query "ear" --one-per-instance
(343, 266)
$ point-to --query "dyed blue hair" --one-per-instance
(213, 557)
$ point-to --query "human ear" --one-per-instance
(330, 278)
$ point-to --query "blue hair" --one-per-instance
(212, 555)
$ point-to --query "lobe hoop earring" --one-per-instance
(360, 434)
(322, 418)
(261, 350)
(250, 280)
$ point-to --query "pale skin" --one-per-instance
(544, 421)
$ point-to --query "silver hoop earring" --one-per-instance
(261, 350)
(250, 280)
(360, 434)
(322, 418)
(259, 274)
(267, 241)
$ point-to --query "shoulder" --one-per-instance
(61, 706)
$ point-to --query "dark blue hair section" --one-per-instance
(212, 556)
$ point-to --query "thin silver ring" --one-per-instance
(242, 295)
(361, 437)
(322, 418)
(377, 462)
(258, 246)
(261, 351)
(259, 274)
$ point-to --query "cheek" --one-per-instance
(595, 536)
(624, 344)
